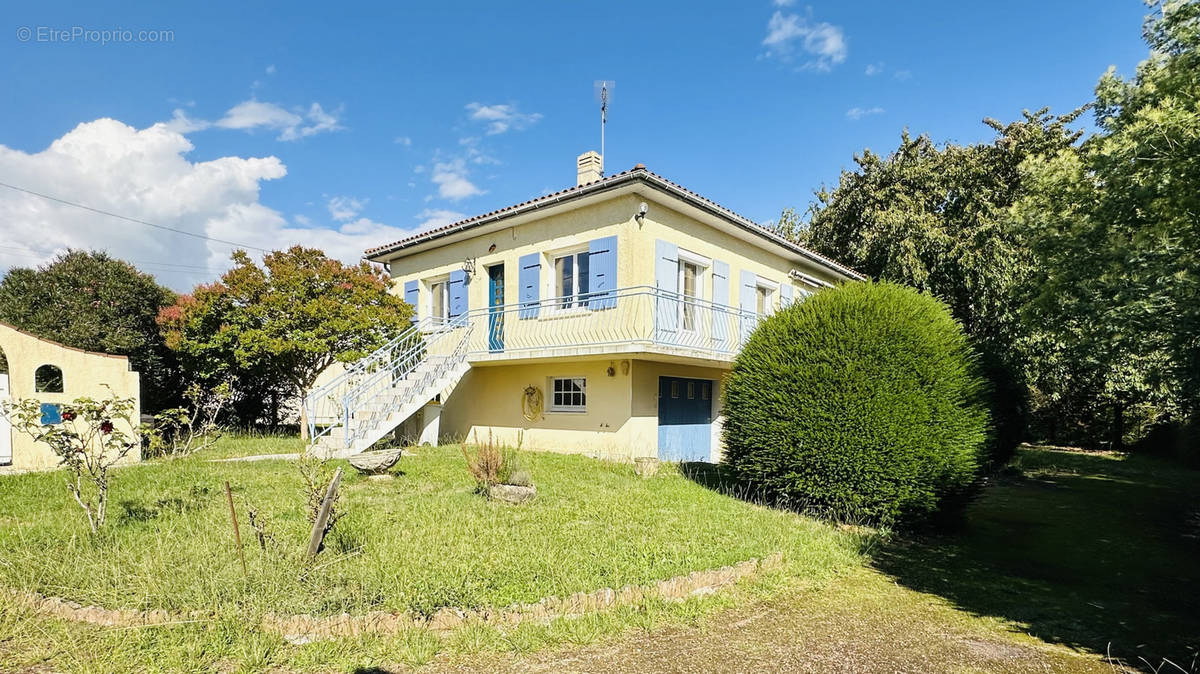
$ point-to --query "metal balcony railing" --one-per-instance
(639, 318)
(626, 319)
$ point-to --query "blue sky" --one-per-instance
(345, 125)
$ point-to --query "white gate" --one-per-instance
(5, 426)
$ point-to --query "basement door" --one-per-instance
(5, 426)
(684, 419)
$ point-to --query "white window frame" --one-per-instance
(558, 302)
(551, 406)
(702, 265)
(772, 289)
(429, 287)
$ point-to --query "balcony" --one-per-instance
(635, 320)
(372, 396)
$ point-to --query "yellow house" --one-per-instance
(600, 319)
(54, 374)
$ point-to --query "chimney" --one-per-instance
(590, 168)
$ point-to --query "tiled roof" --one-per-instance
(638, 172)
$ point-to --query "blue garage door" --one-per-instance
(684, 419)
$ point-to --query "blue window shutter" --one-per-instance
(749, 302)
(602, 273)
(720, 282)
(724, 325)
(785, 294)
(666, 280)
(410, 295)
(749, 291)
(529, 280)
(458, 292)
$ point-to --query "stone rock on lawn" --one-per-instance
(511, 493)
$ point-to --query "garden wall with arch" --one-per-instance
(54, 374)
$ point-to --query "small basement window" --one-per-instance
(568, 394)
(48, 379)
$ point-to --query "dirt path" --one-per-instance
(862, 623)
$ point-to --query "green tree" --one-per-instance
(937, 219)
(1117, 228)
(287, 320)
(91, 301)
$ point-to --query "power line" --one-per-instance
(134, 220)
(41, 255)
(187, 272)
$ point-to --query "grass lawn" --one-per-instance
(419, 541)
(1096, 552)
(236, 444)
(1062, 556)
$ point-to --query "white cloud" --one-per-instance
(901, 75)
(783, 3)
(321, 122)
(452, 180)
(403, 140)
(874, 69)
(823, 44)
(345, 208)
(859, 113)
(271, 69)
(145, 174)
(475, 154)
(181, 123)
(500, 118)
(437, 217)
(253, 114)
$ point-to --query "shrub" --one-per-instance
(864, 401)
(90, 438)
(1008, 406)
(1173, 440)
(492, 463)
(181, 431)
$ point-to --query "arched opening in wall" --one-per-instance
(48, 379)
(5, 424)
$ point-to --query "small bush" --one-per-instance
(1173, 440)
(863, 401)
(183, 431)
(492, 463)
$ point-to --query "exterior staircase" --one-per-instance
(381, 391)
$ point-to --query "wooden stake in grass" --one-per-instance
(237, 534)
(318, 530)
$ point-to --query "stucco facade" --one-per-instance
(81, 373)
(573, 228)
(675, 284)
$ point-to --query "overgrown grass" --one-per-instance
(419, 541)
(1094, 551)
(1071, 549)
(238, 443)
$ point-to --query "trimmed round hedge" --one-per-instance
(865, 401)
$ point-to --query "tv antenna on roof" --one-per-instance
(604, 92)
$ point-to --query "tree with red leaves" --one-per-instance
(291, 318)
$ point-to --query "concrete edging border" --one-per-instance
(299, 629)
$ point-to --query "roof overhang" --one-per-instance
(638, 181)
